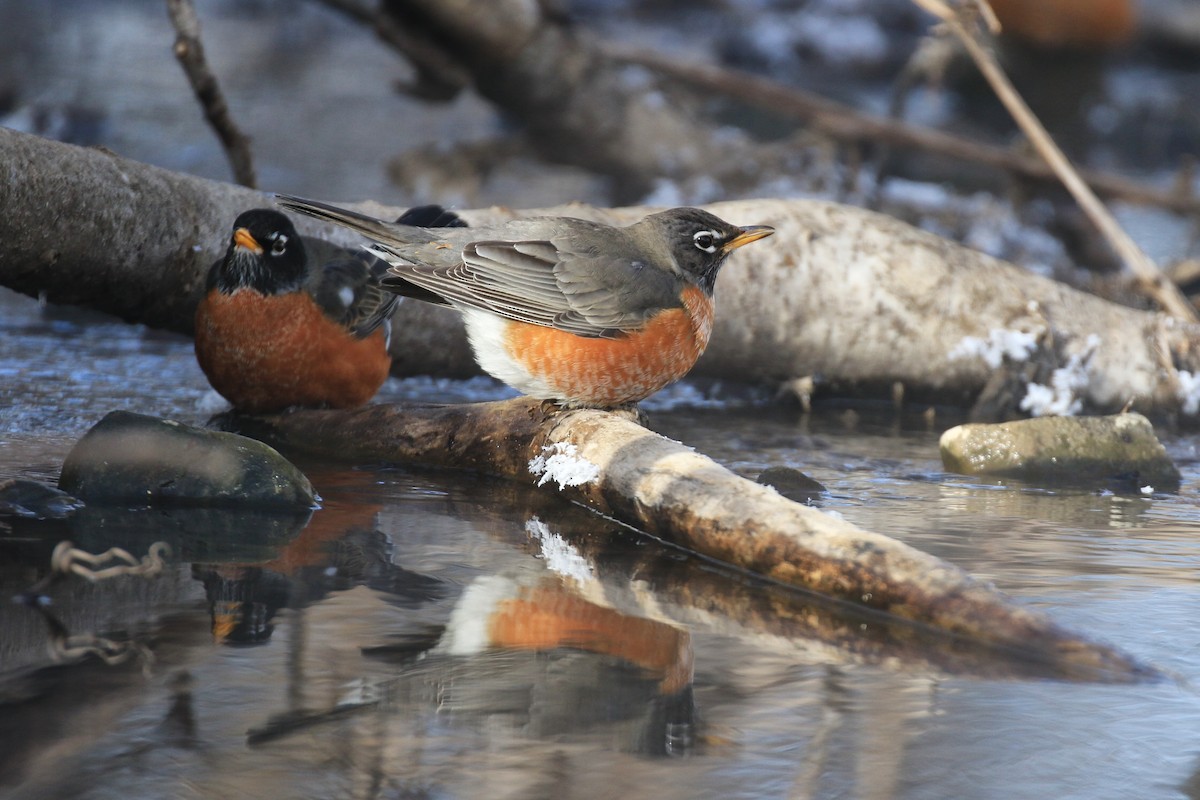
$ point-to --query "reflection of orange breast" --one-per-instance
(550, 616)
(1099, 23)
(621, 370)
(265, 353)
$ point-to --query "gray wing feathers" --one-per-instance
(566, 281)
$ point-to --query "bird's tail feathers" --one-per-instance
(369, 226)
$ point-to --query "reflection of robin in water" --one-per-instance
(337, 550)
(498, 614)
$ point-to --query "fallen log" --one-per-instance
(861, 300)
(615, 467)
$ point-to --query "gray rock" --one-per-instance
(792, 484)
(33, 500)
(131, 458)
(1072, 450)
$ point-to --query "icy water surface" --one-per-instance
(453, 636)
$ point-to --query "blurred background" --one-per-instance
(321, 97)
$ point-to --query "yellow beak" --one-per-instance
(750, 233)
(243, 239)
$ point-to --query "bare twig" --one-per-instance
(1149, 278)
(190, 53)
(848, 124)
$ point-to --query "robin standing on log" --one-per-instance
(293, 321)
(565, 309)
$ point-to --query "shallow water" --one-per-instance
(349, 655)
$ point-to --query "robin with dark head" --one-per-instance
(565, 309)
(293, 321)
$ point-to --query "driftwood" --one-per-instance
(621, 470)
(860, 300)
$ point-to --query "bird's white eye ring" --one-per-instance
(278, 244)
(706, 241)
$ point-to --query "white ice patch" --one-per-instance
(559, 554)
(1001, 343)
(1059, 398)
(1189, 391)
(560, 462)
(211, 403)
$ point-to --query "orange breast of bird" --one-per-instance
(1070, 23)
(265, 353)
(612, 372)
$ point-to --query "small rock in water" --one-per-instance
(791, 483)
(33, 500)
(132, 458)
(1072, 450)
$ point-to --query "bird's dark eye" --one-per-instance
(706, 241)
(278, 244)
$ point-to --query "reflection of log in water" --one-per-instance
(668, 490)
(642, 578)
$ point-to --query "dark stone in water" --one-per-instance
(130, 458)
(791, 483)
(33, 500)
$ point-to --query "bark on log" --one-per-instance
(666, 489)
(860, 299)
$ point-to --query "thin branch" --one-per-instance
(1149, 278)
(190, 53)
(848, 124)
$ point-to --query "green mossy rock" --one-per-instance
(1072, 450)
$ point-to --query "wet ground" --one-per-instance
(448, 636)
(348, 654)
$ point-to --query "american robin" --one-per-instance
(292, 321)
(566, 309)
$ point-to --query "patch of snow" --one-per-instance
(424, 388)
(917, 194)
(1189, 391)
(1000, 344)
(211, 403)
(1059, 398)
(559, 554)
(1147, 490)
(560, 462)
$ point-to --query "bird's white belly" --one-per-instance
(488, 337)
